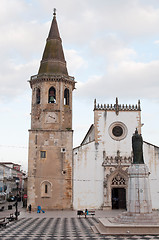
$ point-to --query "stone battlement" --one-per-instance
(117, 107)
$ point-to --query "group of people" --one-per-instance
(39, 210)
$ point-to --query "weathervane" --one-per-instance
(54, 12)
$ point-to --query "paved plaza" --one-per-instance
(59, 225)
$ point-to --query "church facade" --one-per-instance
(93, 175)
(102, 160)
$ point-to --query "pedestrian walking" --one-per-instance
(29, 207)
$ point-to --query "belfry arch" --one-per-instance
(66, 96)
(52, 95)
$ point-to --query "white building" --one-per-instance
(101, 162)
(9, 172)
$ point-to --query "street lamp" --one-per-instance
(16, 204)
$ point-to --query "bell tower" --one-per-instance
(51, 135)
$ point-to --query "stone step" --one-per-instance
(137, 218)
(99, 228)
(109, 228)
(94, 229)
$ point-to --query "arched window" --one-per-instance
(38, 96)
(52, 95)
(66, 96)
(46, 189)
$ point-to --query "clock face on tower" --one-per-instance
(51, 117)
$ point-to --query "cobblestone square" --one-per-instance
(62, 226)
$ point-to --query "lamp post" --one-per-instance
(16, 204)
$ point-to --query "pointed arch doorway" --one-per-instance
(115, 189)
(118, 192)
(118, 198)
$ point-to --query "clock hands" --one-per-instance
(52, 117)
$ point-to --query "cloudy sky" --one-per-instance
(111, 48)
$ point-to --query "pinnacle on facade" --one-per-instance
(53, 60)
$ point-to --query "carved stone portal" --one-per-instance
(115, 176)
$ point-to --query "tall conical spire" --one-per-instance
(54, 32)
(53, 60)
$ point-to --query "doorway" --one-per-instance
(118, 198)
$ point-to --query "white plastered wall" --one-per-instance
(87, 177)
(151, 158)
(131, 120)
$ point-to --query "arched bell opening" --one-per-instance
(52, 95)
(66, 96)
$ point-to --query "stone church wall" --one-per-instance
(55, 170)
(151, 158)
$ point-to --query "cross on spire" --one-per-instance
(54, 12)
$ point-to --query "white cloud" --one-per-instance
(20, 47)
(86, 19)
(128, 79)
(112, 48)
(74, 61)
(11, 9)
(156, 42)
(13, 78)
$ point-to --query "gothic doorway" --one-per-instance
(118, 198)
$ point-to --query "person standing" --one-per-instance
(29, 207)
(86, 212)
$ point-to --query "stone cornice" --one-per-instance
(49, 130)
(51, 78)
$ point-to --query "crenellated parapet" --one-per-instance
(117, 107)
